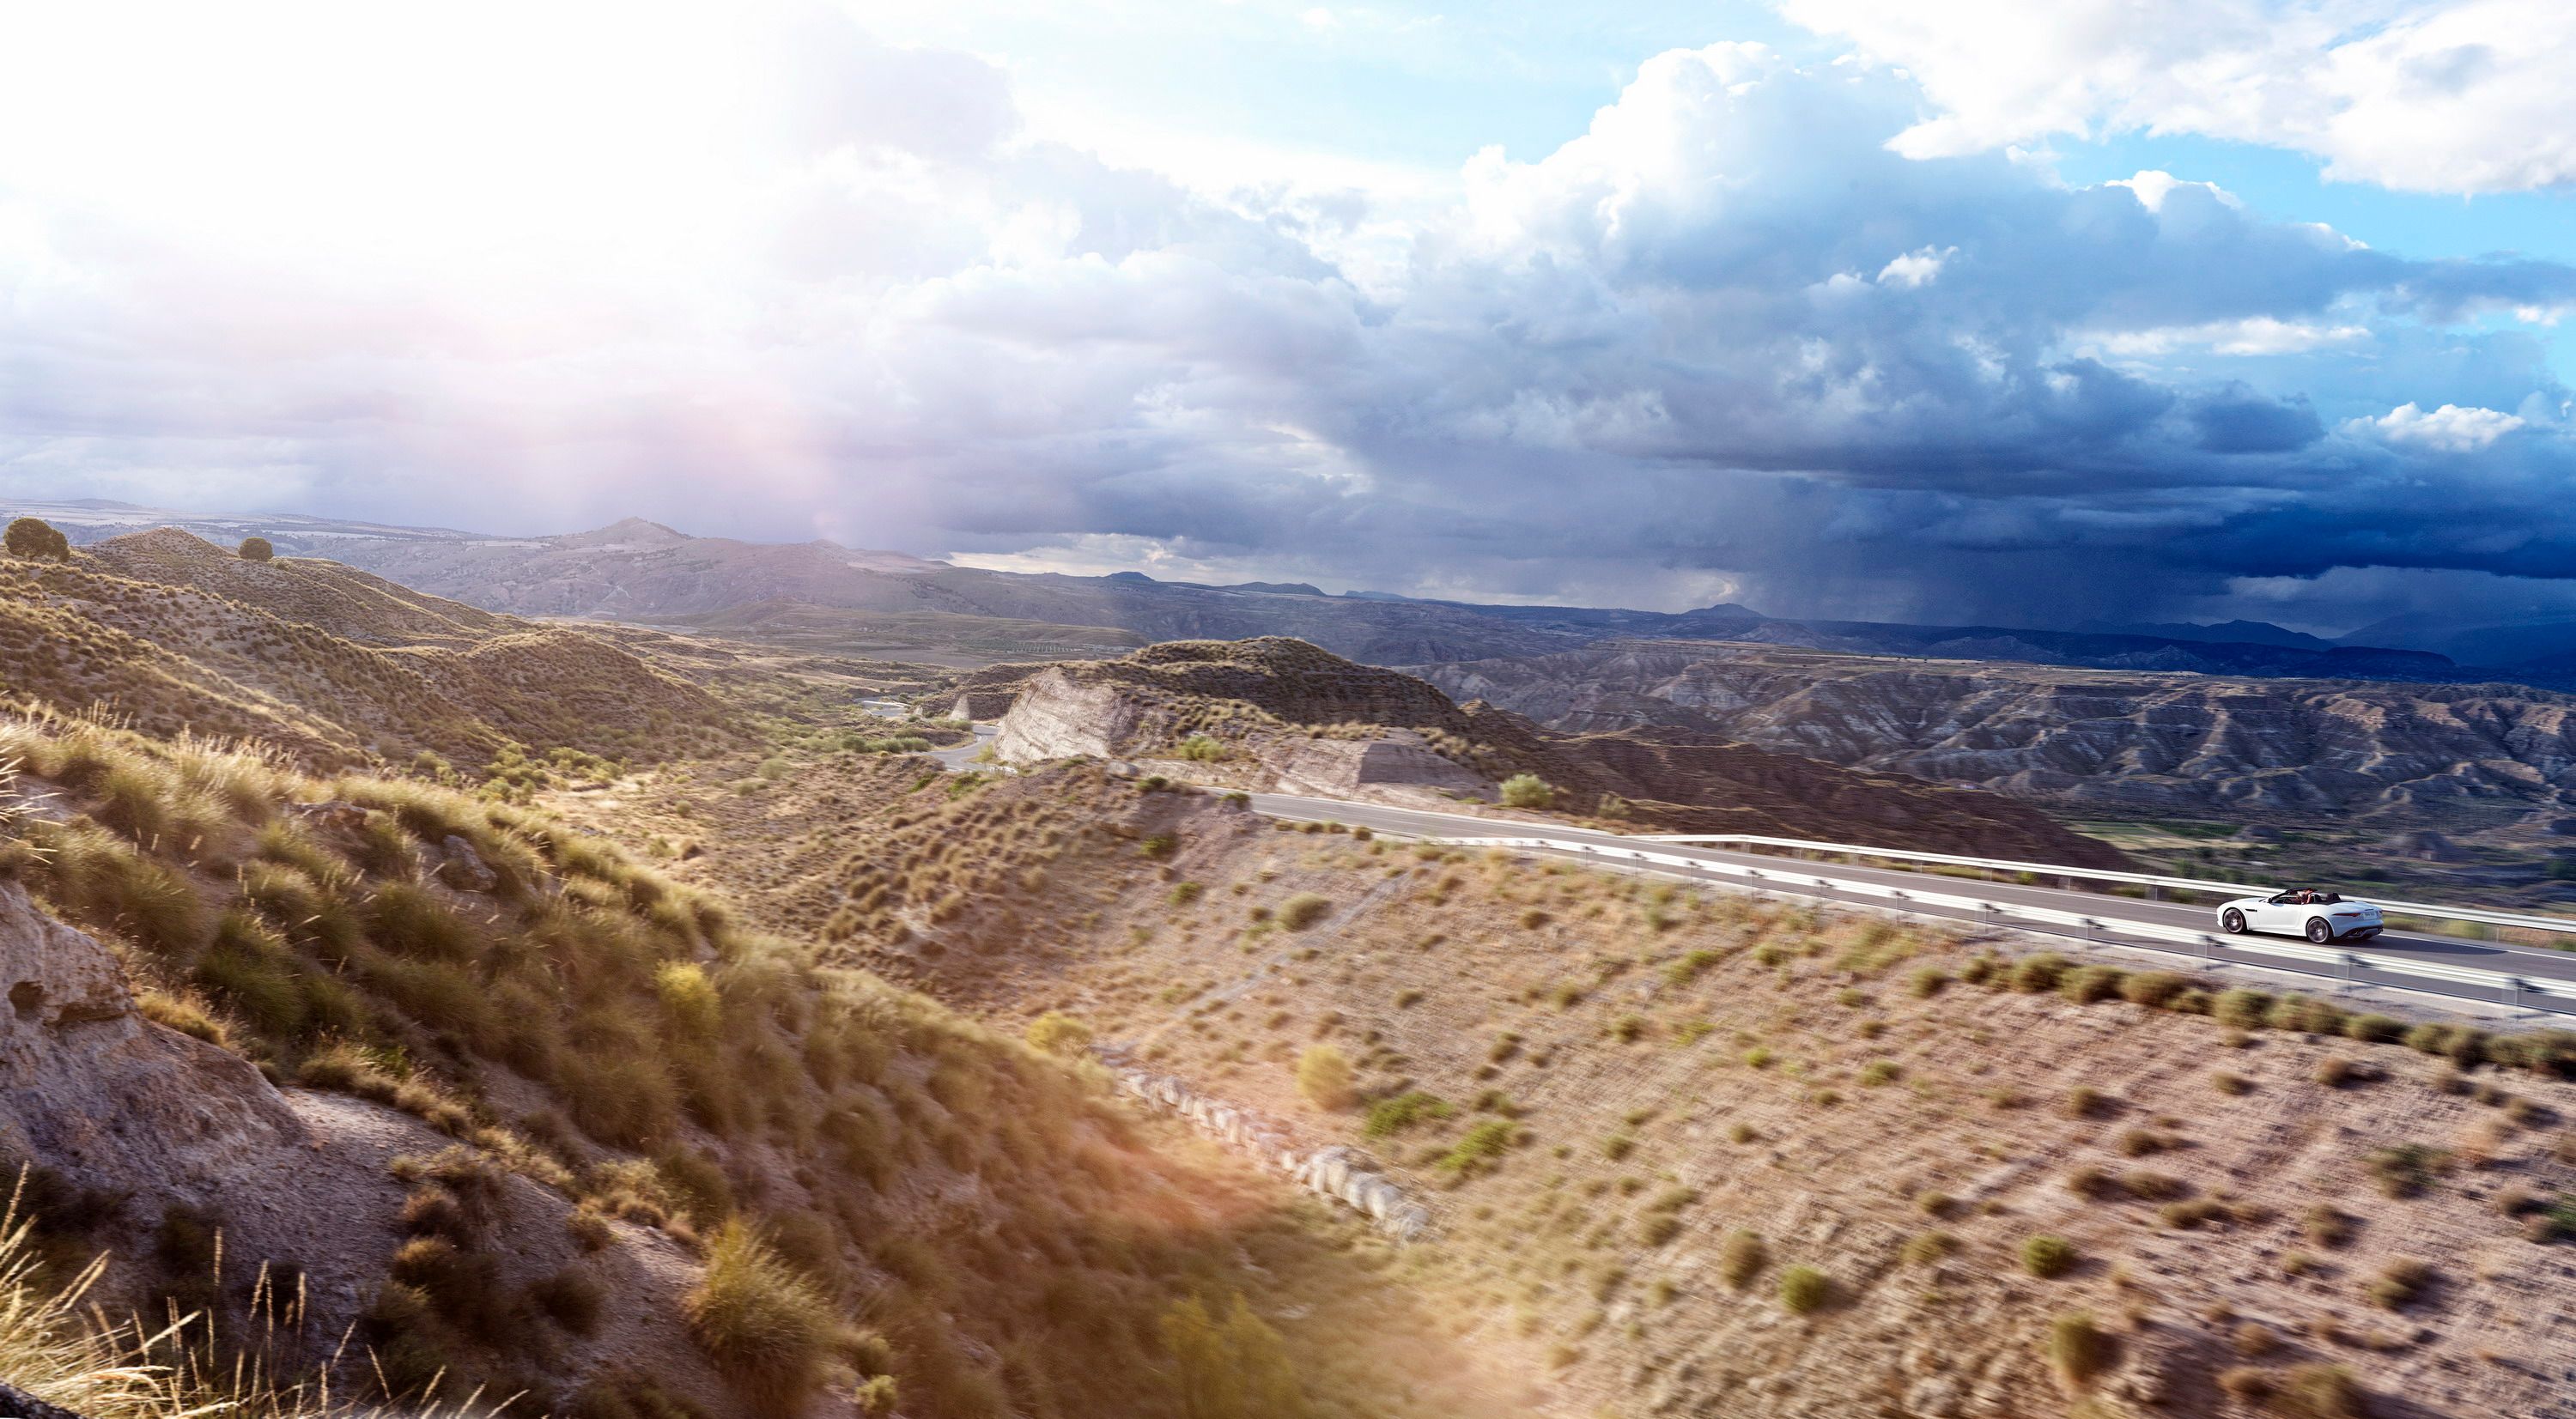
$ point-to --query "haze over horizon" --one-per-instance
(2028, 317)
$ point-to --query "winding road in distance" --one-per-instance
(2555, 969)
(2530, 963)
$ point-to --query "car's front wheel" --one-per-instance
(2318, 931)
(2234, 921)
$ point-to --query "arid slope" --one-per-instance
(1643, 1112)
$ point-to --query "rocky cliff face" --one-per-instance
(2088, 741)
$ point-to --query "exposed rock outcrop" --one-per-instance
(1294, 717)
(1335, 1172)
(91, 1087)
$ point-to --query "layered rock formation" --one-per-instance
(2089, 741)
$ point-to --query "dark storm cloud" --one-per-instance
(1725, 337)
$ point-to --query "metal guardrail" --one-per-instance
(2480, 915)
(2509, 989)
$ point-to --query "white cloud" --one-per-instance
(2449, 429)
(2255, 335)
(2153, 186)
(1916, 268)
(2460, 97)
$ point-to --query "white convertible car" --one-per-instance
(2319, 916)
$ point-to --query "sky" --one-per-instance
(2018, 313)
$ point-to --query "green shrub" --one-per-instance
(1304, 910)
(2319, 1391)
(2152, 988)
(2033, 975)
(1804, 1289)
(411, 921)
(2078, 1349)
(1926, 1248)
(1325, 1077)
(763, 1324)
(689, 999)
(1059, 1034)
(1402, 1111)
(1483, 1142)
(2088, 984)
(2047, 1257)
(1199, 748)
(1528, 791)
(2374, 1029)
(2405, 1169)
(2241, 1008)
(1741, 1258)
(2326, 1225)
(2306, 1014)
(256, 549)
(1234, 1368)
(2401, 1283)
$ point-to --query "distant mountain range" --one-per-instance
(894, 604)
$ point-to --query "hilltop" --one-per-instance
(1279, 713)
(818, 594)
(176, 635)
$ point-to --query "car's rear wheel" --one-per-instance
(2318, 931)
(2234, 921)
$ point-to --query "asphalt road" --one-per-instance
(2529, 963)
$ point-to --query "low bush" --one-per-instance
(2047, 1257)
(1394, 1115)
(2374, 1029)
(1325, 1077)
(2401, 1283)
(572, 1298)
(1741, 1258)
(2079, 1349)
(763, 1324)
(2319, 1391)
(1804, 1289)
(1926, 1248)
(2088, 984)
(1482, 1143)
(2034, 975)
(1304, 910)
(1059, 1034)
(2152, 988)
(2326, 1226)
(2405, 1169)
(2241, 1008)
